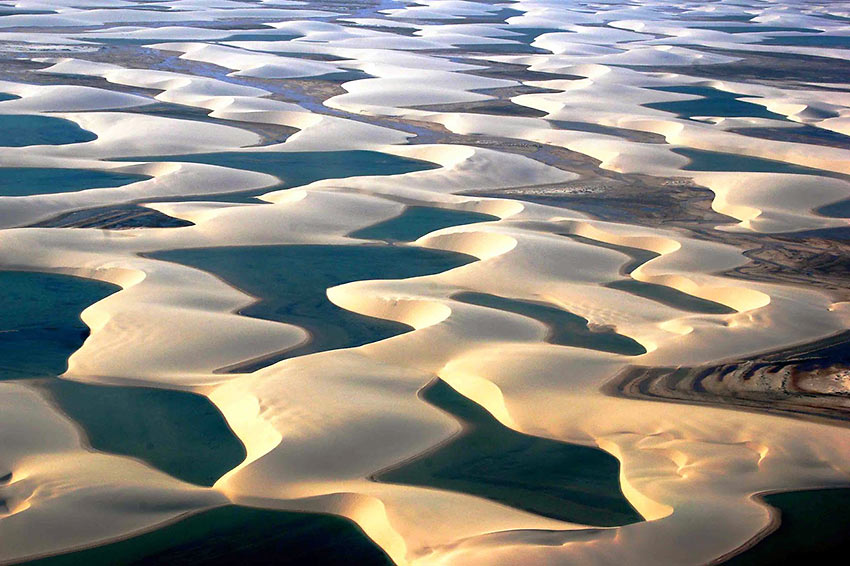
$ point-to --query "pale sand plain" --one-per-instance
(318, 428)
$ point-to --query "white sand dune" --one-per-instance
(70, 98)
(768, 202)
(319, 428)
(443, 346)
(250, 64)
(54, 479)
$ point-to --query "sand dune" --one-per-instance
(54, 477)
(473, 98)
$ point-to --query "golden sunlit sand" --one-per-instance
(320, 429)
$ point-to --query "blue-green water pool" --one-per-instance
(565, 328)
(556, 479)
(40, 321)
(25, 181)
(713, 102)
(291, 283)
(416, 221)
(20, 130)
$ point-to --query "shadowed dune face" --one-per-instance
(433, 283)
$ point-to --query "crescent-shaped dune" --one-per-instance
(493, 284)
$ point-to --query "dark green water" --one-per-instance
(498, 108)
(291, 282)
(658, 293)
(639, 255)
(23, 130)
(40, 324)
(817, 40)
(339, 76)
(825, 233)
(528, 35)
(237, 535)
(559, 480)
(834, 17)
(840, 209)
(271, 35)
(716, 161)
(12, 11)
(670, 297)
(636, 135)
(755, 28)
(515, 47)
(23, 181)
(120, 41)
(301, 168)
(702, 18)
(813, 530)
(182, 434)
(6, 96)
(801, 133)
(416, 221)
(566, 328)
(714, 102)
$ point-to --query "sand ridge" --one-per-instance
(318, 428)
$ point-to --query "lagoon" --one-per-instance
(40, 323)
(564, 481)
(416, 221)
(20, 130)
(290, 283)
(26, 181)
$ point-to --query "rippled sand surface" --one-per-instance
(445, 282)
